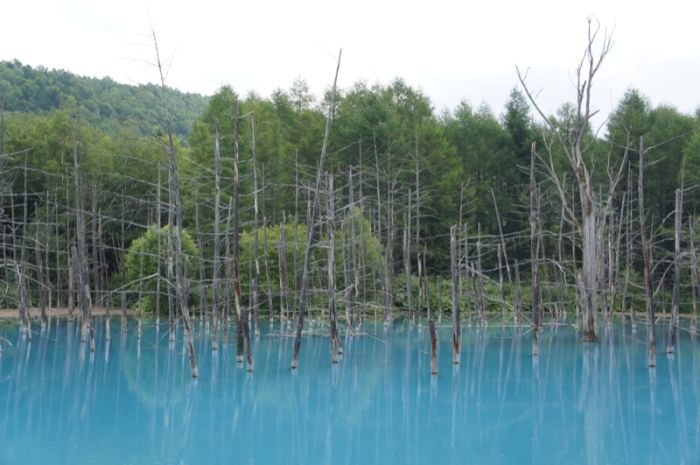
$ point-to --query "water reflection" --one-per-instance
(133, 400)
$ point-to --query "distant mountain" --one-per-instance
(104, 103)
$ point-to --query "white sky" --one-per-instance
(452, 50)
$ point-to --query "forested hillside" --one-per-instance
(103, 103)
(408, 171)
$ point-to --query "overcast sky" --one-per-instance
(452, 50)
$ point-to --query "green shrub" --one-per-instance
(146, 260)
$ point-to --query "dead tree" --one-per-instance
(571, 141)
(216, 265)
(407, 257)
(628, 256)
(224, 314)
(282, 264)
(389, 258)
(40, 279)
(480, 302)
(433, 347)
(95, 244)
(311, 225)
(695, 280)
(648, 265)
(502, 250)
(332, 311)
(534, 253)
(203, 301)
(122, 263)
(175, 210)
(518, 312)
(456, 328)
(673, 323)
(158, 248)
(241, 314)
(256, 248)
(81, 262)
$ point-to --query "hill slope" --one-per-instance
(104, 103)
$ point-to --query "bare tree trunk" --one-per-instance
(561, 289)
(332, 311)
(648, 266)
(24, 303)
(419, 303)
(71, 282)
(176, 212)
(95, 243)
(122, 264)
(107, 296)
(501, 291)
(628, 257)
(534, 253)
(203, 303)
(571, 143)
(224, 315)
(503, 249)
(41, 281)
(695, 280)
(311, 225)
(256, 252)
(81, 262)
(47, 248)
(439, 299)
(389, 257)
(433, 347)
(673, 323)
(456, 328)
(615, 258)
(426, 288)
(241, 314)
(282, 263)
(158, 248)
(352, 261)
(518, 315)
(349, 283)
(407, 257)
(480, 303)
(267, 270)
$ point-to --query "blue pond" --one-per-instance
(134, 402)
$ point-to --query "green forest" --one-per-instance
(405, 173)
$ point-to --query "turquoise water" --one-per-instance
(131, 403)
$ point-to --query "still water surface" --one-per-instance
(134, 402)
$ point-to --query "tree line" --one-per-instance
(420, 197)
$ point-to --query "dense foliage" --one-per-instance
(146, 262)
(386, 140)
(103, 103)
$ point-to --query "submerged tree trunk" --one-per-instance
(216, 265)
(673, 323)
(175, 206)
(241, 314)
(81, 262)
(311, 225)
(695, 279)
(534, 254)
(332, 311)
(389, 258)
(433, 347)
(407, 258)
(456, 328)
(648, 265)
(256, 249)
(282, 263)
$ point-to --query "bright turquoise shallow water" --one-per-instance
(592, 404)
